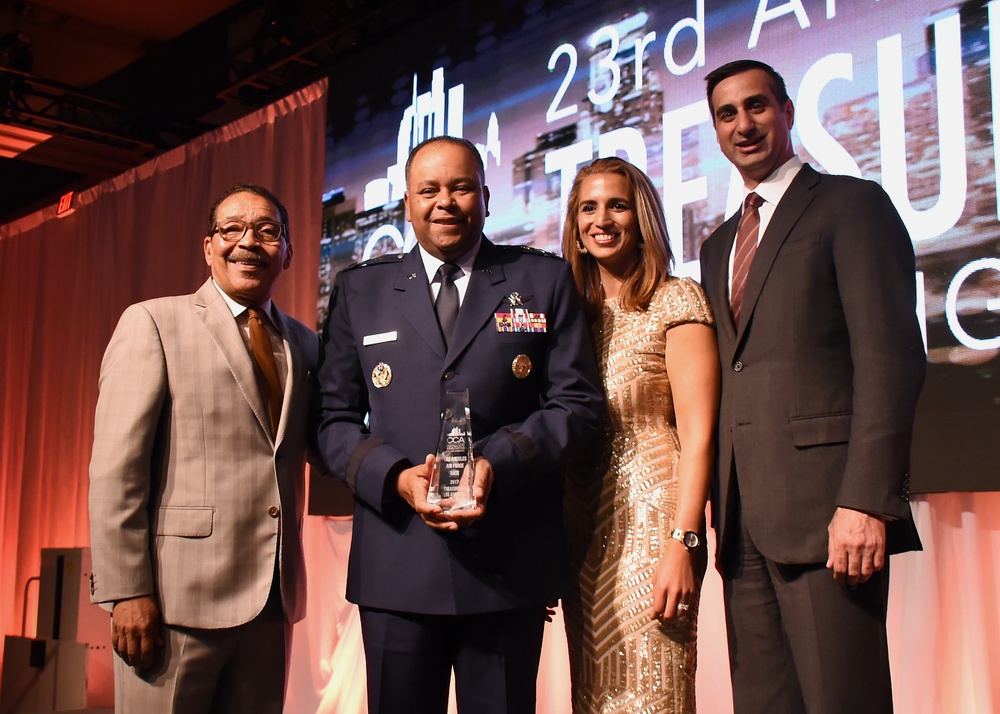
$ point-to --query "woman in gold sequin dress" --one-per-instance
(635, 507)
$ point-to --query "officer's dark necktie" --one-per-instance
(446, 305)
(267, 371)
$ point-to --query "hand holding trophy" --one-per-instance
(452, 482)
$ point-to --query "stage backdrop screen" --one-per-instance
(896, 91)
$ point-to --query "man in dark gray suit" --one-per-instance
(465, 591)
(822, 362)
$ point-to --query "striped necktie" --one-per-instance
(746, 246)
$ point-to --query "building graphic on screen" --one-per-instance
(899, 93)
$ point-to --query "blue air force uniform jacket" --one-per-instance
(384, 357)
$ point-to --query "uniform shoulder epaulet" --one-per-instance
(385, 259)
(529, 249)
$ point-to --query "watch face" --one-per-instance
(690, 539)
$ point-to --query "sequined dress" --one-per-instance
(620, 504)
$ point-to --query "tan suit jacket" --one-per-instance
(191, 499)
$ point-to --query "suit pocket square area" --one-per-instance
(379, 338)
(816, 430)
(184, 521)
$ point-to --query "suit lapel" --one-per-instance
(790, 208)
(218, 319)
(720, 277)
(293, 359)
(413, 299)
(481, 298)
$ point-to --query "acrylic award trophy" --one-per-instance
(453, 476)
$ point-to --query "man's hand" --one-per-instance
(135, 630)
(857, 546)
(481, 489)
(412, 485)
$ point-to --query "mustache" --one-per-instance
(248, 257)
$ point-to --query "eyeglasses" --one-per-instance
(266, 231)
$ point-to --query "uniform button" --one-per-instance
(737, 366)
(273, 511)
(447, 413)
(449, 374)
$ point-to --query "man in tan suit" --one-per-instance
(196, 488)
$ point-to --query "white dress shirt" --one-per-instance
(771, 189)
(461, 279)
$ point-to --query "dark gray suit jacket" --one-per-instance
(821, 377)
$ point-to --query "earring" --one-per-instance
(580, 248)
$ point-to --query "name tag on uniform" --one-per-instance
(379, 338)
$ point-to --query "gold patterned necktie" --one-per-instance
(267, 371)
(746, 247)
(446, 305)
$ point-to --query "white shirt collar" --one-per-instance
(238, 309)
(431, 264)
(772, 188)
